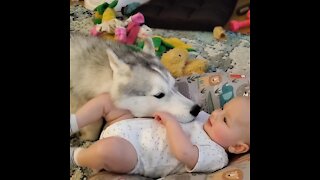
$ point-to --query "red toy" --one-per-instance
(236, 25)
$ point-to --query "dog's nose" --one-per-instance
(195, 110)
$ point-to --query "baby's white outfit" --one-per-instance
(148, 137)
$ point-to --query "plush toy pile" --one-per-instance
(133, 32)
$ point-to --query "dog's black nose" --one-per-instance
(195, 110)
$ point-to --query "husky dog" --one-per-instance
(135, 80)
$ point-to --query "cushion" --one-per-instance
(187, 14)
(213, 90)
(238, 168)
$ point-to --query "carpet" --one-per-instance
(231, 55)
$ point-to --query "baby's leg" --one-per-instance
(113, 154)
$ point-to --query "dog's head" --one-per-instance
(142, 85)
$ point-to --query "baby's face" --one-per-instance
(231, 124)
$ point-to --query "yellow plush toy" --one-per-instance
(178, 64)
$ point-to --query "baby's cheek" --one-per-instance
(221, 137)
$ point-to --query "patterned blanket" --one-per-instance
(231, 55)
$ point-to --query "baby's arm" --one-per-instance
(98, 107)
(179, 144)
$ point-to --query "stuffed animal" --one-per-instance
(119, 28)
(144, 40)
(104, 12)
(195, 66)
(163, 45)
(131, 32)
(108, 27)
(178, 63)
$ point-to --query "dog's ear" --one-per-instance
(116, 64)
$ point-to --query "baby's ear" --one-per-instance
(239, 148)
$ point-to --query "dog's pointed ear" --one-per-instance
(115, 63)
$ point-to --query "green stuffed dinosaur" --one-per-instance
(104, 12)
(163, 45)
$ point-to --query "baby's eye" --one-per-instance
(225, 120)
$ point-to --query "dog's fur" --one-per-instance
(135, 81)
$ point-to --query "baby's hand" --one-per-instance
(164, 117)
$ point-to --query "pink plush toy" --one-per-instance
(121, 34)
(129, 35)
(236, 25)
(137, 18)
(94, 31)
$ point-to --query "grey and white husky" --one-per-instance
(135, 80)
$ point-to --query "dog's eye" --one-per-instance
(159, 95)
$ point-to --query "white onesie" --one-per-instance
(148, 137)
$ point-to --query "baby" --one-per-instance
(162, 146)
